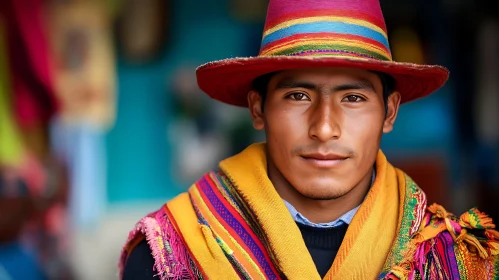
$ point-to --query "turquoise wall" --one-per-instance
(139, 156)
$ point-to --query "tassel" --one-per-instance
(438, 210)
(476, 219)
(452, 227)
(397, 273)
(474, 246)
(492, 242)
(436, 221)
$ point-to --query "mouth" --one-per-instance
(327, 160)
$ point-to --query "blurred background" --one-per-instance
(101, 119)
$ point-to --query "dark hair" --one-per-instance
(261, 83)
(388, 86)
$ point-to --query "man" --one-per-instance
(318, 199)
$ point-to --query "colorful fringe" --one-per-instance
(450, 248)
(172, 260)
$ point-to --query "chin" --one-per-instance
(324, 196)
(323, 191)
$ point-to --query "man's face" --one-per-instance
(323, 127)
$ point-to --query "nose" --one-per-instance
(325, 122)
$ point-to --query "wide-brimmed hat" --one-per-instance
(319, 33)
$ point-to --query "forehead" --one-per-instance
(327, 76)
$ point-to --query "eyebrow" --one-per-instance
(360, 84)
(288, 83)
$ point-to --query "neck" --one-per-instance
(319, 211)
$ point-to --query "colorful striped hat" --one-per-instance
(319, 33)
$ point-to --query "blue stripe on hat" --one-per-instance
(326, 27)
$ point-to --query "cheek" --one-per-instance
(363, 133)
(277, 128)
(285, 129)
(285, 126)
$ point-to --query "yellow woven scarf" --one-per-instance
(364, 250)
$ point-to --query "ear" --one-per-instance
(393, 104)
(255, 108)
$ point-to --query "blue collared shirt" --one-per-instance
(299, 218)
(344, 219)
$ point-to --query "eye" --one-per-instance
(353, 98)
(298, 96)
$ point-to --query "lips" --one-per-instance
(324, 156)
(324, 160)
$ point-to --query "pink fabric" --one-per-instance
(171, 259)
(34, 98)
(278, 8)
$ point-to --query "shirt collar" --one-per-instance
(344, 219)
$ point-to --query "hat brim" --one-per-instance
(230, 80)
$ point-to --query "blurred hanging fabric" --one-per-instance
(85, 83)
(80, 42)
(33, 193)
(10, 141)
(34, 100)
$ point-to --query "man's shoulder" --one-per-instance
(161, 233)
(163, 218)
(140, 263)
